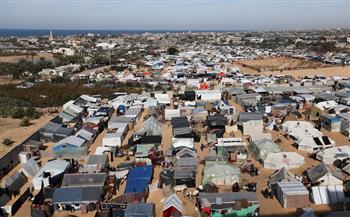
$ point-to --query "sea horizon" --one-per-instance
(16, 32)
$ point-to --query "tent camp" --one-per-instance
(221, 174)
(172, 206)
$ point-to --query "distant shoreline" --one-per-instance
(66, 32)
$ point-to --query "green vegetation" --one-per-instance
(7, 142)
(172, 51)
(56, 94)
(25, 122)
(18, 70)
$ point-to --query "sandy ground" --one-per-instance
(299, 73)
(10, 128)
(329, 71)
(8, 80)
(16, 58)
(278, 63)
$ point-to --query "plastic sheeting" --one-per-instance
(330, 194)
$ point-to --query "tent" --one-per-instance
(151, 127)
(137, 182)
(325, 175)
(51, 172)
(77, 195)
(30, 168)
(288, 160)
(173, 206)
(328, 156)
(139, 209)
(260, 149)
(221, 174)
(281, 175)
(330, 194)
(292, 194)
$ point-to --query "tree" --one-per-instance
(7, 142)
(19, 113)
(25, 122)
(172, 50)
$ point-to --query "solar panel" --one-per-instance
(317, 141)
(326, 140)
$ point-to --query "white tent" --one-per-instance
(289, 160)
(183, 142)
(30, 168)
(54, 168)
(328, 156)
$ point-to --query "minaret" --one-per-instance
(51, 36)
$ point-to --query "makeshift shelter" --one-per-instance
(151, 127)
(30, 168)
(324, 175)
(240, 204)
(216, 122)
(133, 112)
(250, 123)
(50, 174)
(328, 156)
(181, 127)
(84, 179)
(54, 132)
(289, 160)
(221, 174)
(70, 147)
(182, 142)
(169, 114)
(260, 149)
(292, 194)
(331, 123)
(172, 206)
(281, 175)
(330, 194)
(231, 146)
(136, 188)
(77, 195)
(139, 209)
(96, 163)
(185, 176)
(313, 144)
(14, 182)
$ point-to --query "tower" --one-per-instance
(51, 36)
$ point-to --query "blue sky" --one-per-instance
(174, 14)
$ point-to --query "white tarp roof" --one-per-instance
(328, 156)
(289, 160)
(30, 168)
(183, 142)
(173, 201)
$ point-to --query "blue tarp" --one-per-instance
(138, 179)
(121, 108)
